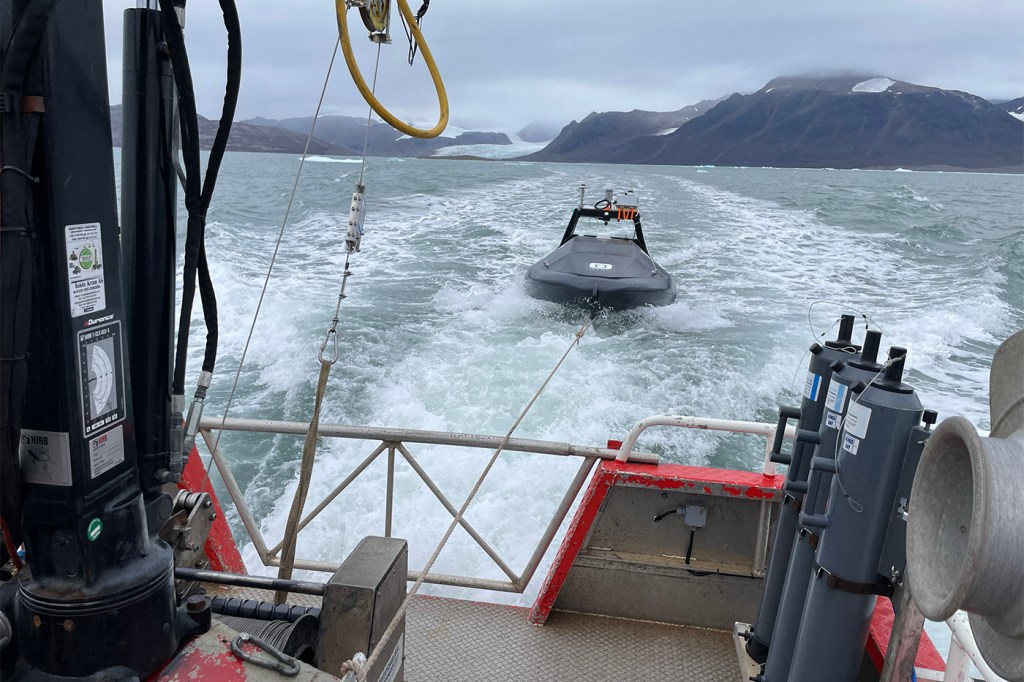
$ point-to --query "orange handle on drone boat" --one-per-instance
(342, 8)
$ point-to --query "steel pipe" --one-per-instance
(331, 495)
(235, 493)
(454, 512)
(965, 638)
(705, 423)
(253, 581)
(541, 447)
(433, 578)
(556, 521)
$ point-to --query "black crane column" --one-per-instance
(98, 592)
(148, 211)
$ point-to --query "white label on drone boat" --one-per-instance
(600, 266)
(84, 250)
(836, 398)
(390, 672)
(832, 420)
(812, 386)
(45, 457)
(857, 419)
(106, 451)
(850, 444)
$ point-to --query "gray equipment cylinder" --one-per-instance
(816, 386)
(837, 614)
(893, 560)
(844, 375)
(964, 541)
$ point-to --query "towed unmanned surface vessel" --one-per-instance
(601, 269)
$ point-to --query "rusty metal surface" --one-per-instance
(261, 595)
(453, 641)
(209, 657)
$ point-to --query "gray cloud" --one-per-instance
(514, 62)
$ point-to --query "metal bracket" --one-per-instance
(186, 532)
(882, 589)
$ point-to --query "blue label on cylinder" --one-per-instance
(836, 399)
(812, 386)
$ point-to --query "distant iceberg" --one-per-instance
(493, 151)
(329, 159)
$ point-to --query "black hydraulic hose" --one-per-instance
(234, 79)
(18, 140)
(193, 193)
(28, 29)
(220, 142)
(209, 299)
(195, 241)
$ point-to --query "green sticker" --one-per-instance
(94, 530)
(86, 259)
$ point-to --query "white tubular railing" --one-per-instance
(728, 426)
(392, 445)
(383, 434)
(963, 651)
(707, 424)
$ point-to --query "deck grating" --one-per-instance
(451, 640)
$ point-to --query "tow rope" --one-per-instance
(355, 666)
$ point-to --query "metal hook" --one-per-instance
(284, 664)
(330, 339)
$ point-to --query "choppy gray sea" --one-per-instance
(438, 333)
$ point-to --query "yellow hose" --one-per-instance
(357, 76)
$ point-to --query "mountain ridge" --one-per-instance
(845, 121)
(816, 121)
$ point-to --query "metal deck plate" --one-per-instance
(450, 640)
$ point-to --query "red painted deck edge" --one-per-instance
(571, 544)
(673, 477)
(928, 657)
(221, 549)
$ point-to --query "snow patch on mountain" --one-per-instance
(874, 85)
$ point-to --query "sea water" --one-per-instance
(437, 332)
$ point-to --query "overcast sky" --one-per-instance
(508, 63)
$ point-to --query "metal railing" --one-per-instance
(392, 443)
(707, 424)
(728, 426)
(963, 651)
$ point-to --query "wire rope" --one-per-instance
(361, 669)
(270, 268)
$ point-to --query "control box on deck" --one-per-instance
(361, 600)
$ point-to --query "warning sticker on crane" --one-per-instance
(84, 249)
